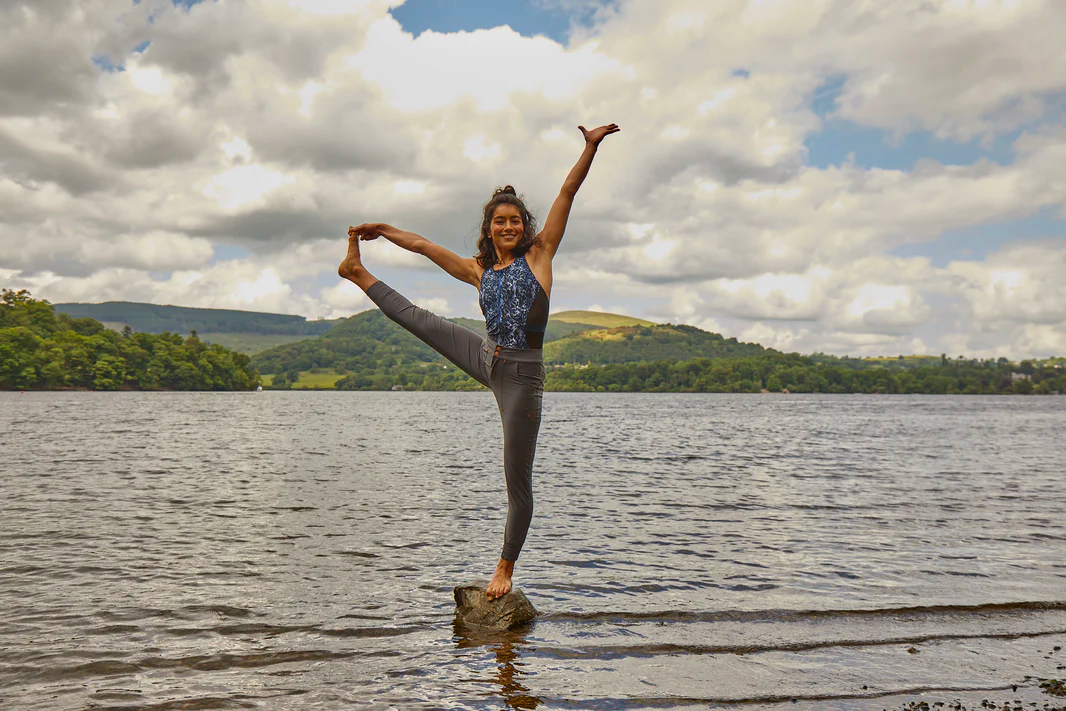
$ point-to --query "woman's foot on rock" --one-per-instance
(500, 584)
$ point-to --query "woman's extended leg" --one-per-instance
(461, 346)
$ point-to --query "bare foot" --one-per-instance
(351, 268)
(500, 584)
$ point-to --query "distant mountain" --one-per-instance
(153, 318)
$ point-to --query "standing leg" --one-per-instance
(519, 390)
(460, 345)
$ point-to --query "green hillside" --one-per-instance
(252, 332)
(633, 344)
(367, 340)
(370, 341)
(153, 318)
(599, 319)
(370, 351)
(43, 349)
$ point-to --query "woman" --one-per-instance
(513, 273)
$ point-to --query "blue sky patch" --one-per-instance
(227, 252)
(824, 98)
(840, 140)
(977, 242)
(878, 148)
(526, 17)
(104, 62)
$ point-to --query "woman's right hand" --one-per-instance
(373, 230)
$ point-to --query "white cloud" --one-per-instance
(487, 67)
(1020, 284)
(344, 298)
(245, 186)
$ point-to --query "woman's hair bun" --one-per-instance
(506, 189)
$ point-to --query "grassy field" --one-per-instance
(595, 318)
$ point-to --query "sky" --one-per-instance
(839, 176)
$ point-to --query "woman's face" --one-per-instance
(506, 228)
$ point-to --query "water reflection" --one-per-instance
(507, 646)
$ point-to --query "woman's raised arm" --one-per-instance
(555, 225)
(463, 269)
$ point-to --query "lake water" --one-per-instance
(298, 550)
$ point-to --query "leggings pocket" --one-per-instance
(535, 371)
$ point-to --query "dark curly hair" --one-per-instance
(486, 252)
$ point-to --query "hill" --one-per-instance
(599, 319)
(43, 349)
(253, 332)
(154, 318)
(367, 340)
(369, 344)
(376, 354)
(633, 344)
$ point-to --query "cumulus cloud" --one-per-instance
(137, 139)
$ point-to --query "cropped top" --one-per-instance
(515, 306)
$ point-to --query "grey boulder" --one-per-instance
(475, 609)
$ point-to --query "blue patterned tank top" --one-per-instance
(515, 306)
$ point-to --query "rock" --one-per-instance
(503, 613)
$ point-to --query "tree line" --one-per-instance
(777, 372)
(771, 372)
(42, 349)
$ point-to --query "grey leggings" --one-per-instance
(516, 378)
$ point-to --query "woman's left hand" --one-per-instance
(598, 134)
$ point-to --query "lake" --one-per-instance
(298, 550)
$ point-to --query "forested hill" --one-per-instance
(42, 349)
(369, 342)
(634, 344)
(366, 341)
(153, 318)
